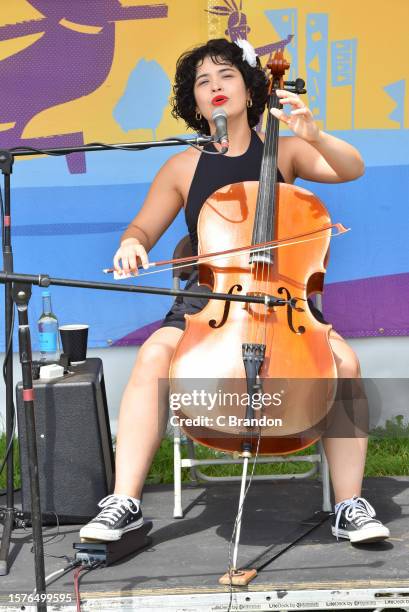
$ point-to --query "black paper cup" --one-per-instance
(74, 342)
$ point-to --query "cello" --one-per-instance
(245, 350)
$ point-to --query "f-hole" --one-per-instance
(301, 328)
(213, 323)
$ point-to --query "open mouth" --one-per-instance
(219, 100)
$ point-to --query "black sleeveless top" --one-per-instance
(216, 171)
(213, 172)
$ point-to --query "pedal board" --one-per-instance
(107, 553)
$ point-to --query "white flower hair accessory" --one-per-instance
(249, 54)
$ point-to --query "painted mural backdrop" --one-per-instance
(102, 70)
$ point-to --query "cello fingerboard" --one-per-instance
(264, 223)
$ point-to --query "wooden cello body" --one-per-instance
(233, 353)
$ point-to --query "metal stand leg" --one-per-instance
(326, 490)
(8, 515)
(21, 295)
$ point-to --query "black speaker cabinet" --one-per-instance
(74, 446)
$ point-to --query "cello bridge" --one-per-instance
(258, 310)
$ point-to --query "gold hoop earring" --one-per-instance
(249, 103)
(198, 116)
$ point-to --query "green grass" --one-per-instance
(388, 449)
(388, 455)
(17, 479)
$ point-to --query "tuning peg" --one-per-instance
(297, 86)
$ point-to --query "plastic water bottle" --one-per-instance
(48, 331)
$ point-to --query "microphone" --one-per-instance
(219, 117)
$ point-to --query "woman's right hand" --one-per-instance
(131, 253)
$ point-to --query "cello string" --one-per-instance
(260, 268)
(272, 133)
(272, 144)
(274, 266)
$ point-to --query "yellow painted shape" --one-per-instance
(17, 11)
(339, 108)
(14, 45)
(79, 27)
(216, 24)
(7, 126)
(315, 63)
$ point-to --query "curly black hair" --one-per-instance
(219, 50)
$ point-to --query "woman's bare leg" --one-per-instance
(144, 411)
(346, 456)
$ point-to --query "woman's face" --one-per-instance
(219, 85)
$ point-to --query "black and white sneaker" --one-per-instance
(119, 515)
(355, 520)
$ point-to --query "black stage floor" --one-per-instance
(188, 555)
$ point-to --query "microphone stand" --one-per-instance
(22, 293)
(8, 515)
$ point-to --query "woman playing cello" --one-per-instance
(221, 73)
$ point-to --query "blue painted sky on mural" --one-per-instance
(142, 106)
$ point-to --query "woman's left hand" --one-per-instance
(300, 120)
